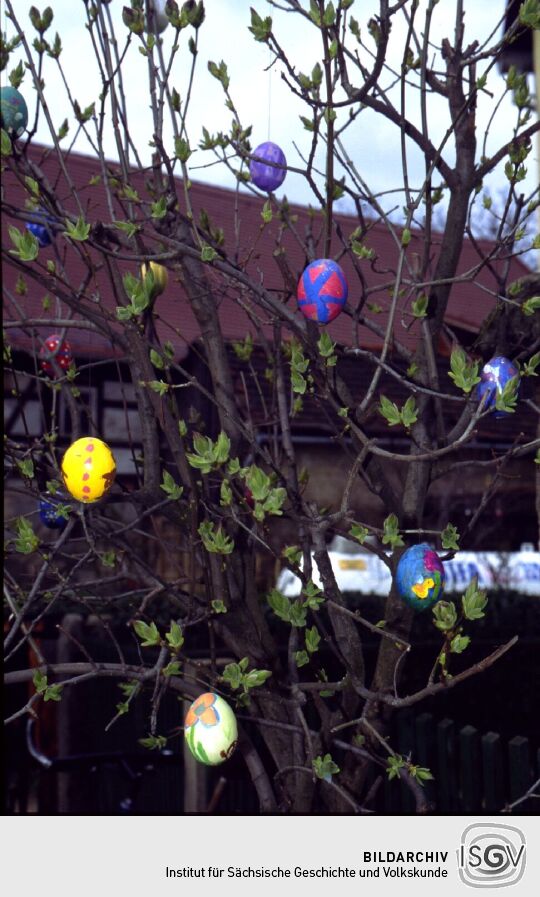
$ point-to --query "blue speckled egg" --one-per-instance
(494, 376)
(322, 291)
(263, 175)
(48, 511)
(13, 111)
(420, 577)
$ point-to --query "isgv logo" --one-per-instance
(491, 855)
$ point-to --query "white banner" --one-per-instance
(366, 573)
(238, 856)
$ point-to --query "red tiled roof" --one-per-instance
(470, 302)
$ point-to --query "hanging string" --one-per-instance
(269, 83)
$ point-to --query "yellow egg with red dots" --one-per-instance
(88, 469)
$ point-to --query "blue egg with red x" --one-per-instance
(322, 291)
(48, 512)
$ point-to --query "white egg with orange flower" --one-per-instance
(210, 729)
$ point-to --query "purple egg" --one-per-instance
(494, 376)
(264, 176)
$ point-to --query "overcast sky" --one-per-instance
(262, 98)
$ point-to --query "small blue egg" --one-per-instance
(48, 512)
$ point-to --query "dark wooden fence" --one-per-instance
(474, 773)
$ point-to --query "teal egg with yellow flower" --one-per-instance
(420, 576)
(210, 729)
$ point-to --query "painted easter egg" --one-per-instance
(159, 22)
(420, 576)
(322, 291)
(88, 468)
(265, 176)
(13, 111)
(494, 376)
(161, 277)
(210, 729)
(60, 350)
(41, 229)
(48, 511)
